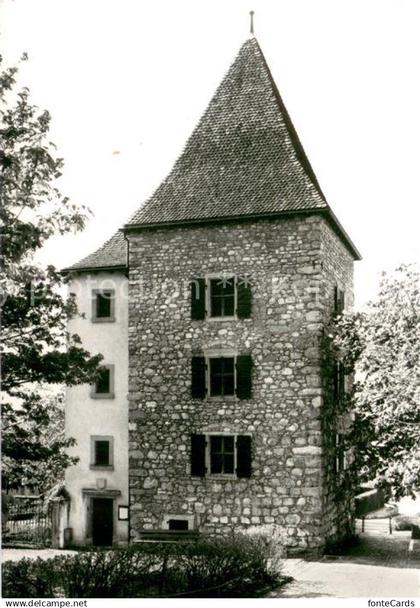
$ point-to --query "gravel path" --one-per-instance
(378, 566)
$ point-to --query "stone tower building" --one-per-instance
(236, 266)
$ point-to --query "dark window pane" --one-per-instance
(228, 365)
(222, 297)
(227, 286)
(228, 444)
(228, 385)
(102, 453)
(216, 443)
(216, 307)
(103, 304)
(229, 306)
(216, 385)
(103, 382)
(216, 366)
(228, 463)
(216, 463)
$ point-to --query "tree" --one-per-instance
(44, 473)
(381, 344)
(36, 347)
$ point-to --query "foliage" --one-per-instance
(382, 345)
(35, 345)
(42, 475)
(233, 566)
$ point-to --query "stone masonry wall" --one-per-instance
(338, 490)
(291, 266)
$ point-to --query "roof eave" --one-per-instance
(87, 269)
(326, 211)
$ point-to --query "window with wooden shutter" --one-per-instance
(198, 378)
(198, 455)
(244, 376)
(244, 299)
(243, 456)
(222, 297)
(198, 299)
(222, 376)
(222, 454)
(339, 302)
(339, 379)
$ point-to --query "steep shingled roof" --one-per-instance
(113, 253)
(243, 159)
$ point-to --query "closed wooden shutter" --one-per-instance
(339, 386)
(198, 377)
(338, 300)
(244, 376)
(244, 308)
(243, 456)
(198, 299)
(198, 455)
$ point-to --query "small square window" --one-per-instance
(104, 385)
(104, 381)
(102, 452)
(103, 305)
(222, 376)
(178, 524)
(222, 297)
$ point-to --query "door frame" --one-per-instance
(89, 495)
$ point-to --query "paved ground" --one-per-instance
(380, 565)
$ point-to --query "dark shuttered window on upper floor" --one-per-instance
(221, 377)
(221, 297)
(229, 455)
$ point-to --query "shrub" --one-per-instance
(408, 523)
(234, 564)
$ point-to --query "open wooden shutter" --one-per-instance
(243, 456)
(244, 292)
(198, 377)
(198, 299)
(244, 376)
(198, 455)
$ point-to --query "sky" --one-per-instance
(127, 80)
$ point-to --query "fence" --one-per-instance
(28, 521)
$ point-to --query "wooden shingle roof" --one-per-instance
(244, 157)
(111, 255)
(243, 160)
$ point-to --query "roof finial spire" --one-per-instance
(251, 29)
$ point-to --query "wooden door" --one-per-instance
(102, 521)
